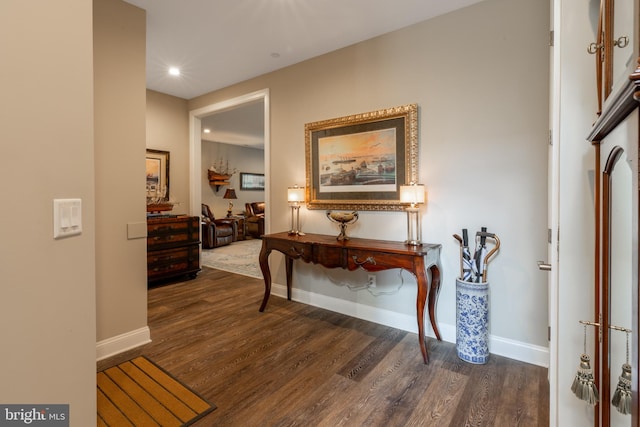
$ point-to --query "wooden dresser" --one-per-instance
(173, 247)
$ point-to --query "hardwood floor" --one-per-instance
(297, 365)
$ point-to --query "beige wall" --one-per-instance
(47, 293)
(480, 78)
(241, 158)
(119, 67)
(168, 129)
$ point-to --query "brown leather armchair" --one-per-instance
(255, 218)
(217, 232)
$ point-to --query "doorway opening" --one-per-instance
(195, 146)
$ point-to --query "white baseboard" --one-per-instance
(516, 350)
(118, 344)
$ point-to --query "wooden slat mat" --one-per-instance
(140, 393)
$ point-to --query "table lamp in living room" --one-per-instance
(230, 194)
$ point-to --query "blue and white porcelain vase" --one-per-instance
(472, 321)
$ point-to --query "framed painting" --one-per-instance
(359, 162)
(157, 167)
(252, 181)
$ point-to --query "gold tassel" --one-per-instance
(583, 384)
(622, 396)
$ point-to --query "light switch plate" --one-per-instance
(67, 217)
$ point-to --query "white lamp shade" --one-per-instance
(412, 193)
(295, 194)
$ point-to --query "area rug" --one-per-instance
(140, 393)
(239, 257)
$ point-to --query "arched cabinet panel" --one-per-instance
(615, 137)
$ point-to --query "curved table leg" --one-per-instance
(433, 298)
(423, 290)
(288, 262)
(266, 273)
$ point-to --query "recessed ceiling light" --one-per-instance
(174, 71)
(275, 55)
(206, 130)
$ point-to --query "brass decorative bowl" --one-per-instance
(342, 219)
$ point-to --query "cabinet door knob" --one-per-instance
(544, 266)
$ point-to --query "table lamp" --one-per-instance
(295, 196)
(414, 194)
(230, 194)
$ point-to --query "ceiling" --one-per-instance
(217, 43)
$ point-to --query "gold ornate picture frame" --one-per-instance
(359, 162)
(157, 170)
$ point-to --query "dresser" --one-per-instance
(173, 247)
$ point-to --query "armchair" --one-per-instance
(217, 232)
(255, 218)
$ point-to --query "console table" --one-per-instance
(371, 255)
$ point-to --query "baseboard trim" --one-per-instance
(120, 343)
(512, 349)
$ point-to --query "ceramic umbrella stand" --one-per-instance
(472, 321)
(472, 299)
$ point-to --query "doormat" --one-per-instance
(140, 393)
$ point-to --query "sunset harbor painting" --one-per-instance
(358, 159)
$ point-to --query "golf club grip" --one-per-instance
(465, 237)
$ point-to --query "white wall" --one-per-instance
(480, 78)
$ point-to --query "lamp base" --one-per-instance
(413, 242)
(296, 232)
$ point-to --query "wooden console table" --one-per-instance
(371, 255)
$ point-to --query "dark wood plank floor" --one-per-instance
(297, 365)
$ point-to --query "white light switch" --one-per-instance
(67, 217)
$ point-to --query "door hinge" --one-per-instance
(549, 235)
(549, 333)
(551, 38)
(550, 137)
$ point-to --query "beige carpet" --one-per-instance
(239, 257)
(140, 393)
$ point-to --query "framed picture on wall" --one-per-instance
(157, 169)
(251, 181)
(359, 162)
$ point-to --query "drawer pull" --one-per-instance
(368, 260)
(296, 252)
(169, 237)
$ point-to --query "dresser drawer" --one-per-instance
(168, 256)
(164, 239)
(179, 260)
(174, 227)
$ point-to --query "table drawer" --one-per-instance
(296, 250)
(378, 261)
